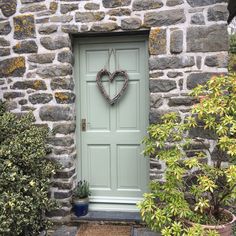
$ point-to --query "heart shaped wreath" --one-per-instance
(111, 78)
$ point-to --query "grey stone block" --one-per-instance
(156, 114)
(140, 5)
(30, 1)
(181, 101)
(64, 97)
(56, 42)
(65, 56)
(115, 3)
(198, 19)
(14, 66)
(8, 7)
(218, 13)
(200, 3)
(65, 174)
(61, 19)
(4, 42)
(62, 194)
(161, 85)
(42, 58)
(119, 12)
(164, 18)
(59, 83)
(174, 74)
(219, 60)
(131, 23)
(176, 41)
(26, 46)
(104, 27)
(65, 8)
(54, 71)
(65, 128)
(170, 62)
(207, 39)
(198, 78)
(85, 17)
(55, 113)
(5, 52)
(33, 8)
(91, 6)
(12, 95)
(47, 29)
(40, 98)
(69, 28)
(62, 212)
(156, 100)
(30, 84)
(172, 3)
(5, 28)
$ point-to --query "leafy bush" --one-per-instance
(24, 175)
(232, 62)
(232, 48)
(232, 54)
(81, 190)
(194, 189)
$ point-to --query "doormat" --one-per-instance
(92, 229)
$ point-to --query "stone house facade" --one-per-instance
(187, 44)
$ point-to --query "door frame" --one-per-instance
(103, 39)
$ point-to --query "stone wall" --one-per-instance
(188, 44)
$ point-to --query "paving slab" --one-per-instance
(143, 232)
(66, 231)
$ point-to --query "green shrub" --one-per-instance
(24, 175)
(232, 62)
(194, 189)
(232, 54)
(81, 190)
(232, 47)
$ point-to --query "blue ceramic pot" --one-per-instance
(81, 207)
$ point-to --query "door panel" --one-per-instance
(98, 115)
(99, 155)
(110, 146)
(130, 106)
(126, 157)
(123, 61)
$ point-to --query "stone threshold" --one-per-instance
(113, 216)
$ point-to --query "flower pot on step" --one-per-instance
(81, 206)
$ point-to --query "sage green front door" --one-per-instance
(110, 150)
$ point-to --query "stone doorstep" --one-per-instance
(66, 231)
(108, 216)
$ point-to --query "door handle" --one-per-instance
(83, 125)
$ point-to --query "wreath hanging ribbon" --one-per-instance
(112, 77)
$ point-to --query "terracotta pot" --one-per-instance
(223, 230)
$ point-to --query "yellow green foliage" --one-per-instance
(25, 175)
(194, 190)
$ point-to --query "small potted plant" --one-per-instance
(80, 198)
(199, 184)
